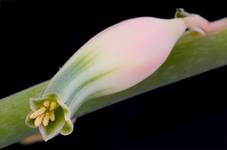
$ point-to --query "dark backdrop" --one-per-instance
(37, 37)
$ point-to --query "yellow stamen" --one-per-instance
(52, 116)
(46, 119)
(44, 114)
(38, 120)
(46, 103)
(53, 105)
(38, 112)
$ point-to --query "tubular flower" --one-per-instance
(112, 61)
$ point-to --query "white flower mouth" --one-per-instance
(50, 116)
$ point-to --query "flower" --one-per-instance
(112, 61)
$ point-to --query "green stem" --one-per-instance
(192, 55)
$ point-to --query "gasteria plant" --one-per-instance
(114, 60)
(193, 54)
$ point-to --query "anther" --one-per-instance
(46, 119)
(52, 116)
(38, 112)
(46, 103)
(53, 105)
(38, 120)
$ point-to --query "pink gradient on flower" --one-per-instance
(137, 47)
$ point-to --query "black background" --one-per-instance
(37, 37)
